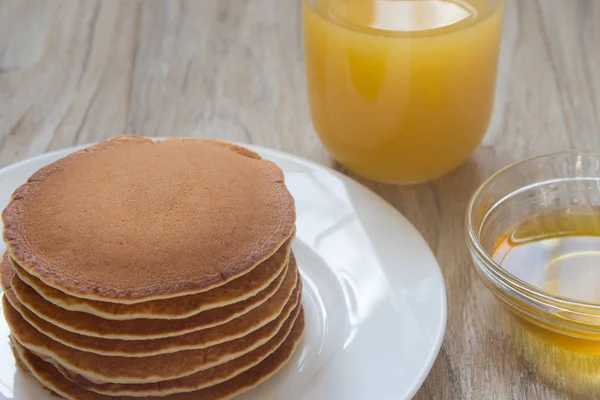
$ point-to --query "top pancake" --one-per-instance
(130, 219)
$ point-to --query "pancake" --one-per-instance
(51, 379)
(180, 307)
(119, 369)
(131, 219)
(14, 311)
(6, 273)
(18, 361)
(199, 380)
(250, 314)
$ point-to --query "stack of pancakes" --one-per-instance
(142, 269)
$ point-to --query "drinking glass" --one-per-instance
(401, 91)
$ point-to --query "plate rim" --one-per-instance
(443, 306)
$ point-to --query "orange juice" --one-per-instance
(401, 90)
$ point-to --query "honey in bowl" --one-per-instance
(557, 251)
(401, 90)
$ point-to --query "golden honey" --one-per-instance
(557, 251)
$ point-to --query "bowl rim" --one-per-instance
(536, 294)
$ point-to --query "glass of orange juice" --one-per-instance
(401, 91)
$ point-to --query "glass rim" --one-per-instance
(405, 34)
(532, 292)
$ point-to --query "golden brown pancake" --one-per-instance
(18, 361)
(130, 219)
(250, 314)
(51, 379)
(199, 380)
(237, 290)
(14, 310)
(119, 369)
(6, 273)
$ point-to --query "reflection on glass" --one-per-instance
(401, 15)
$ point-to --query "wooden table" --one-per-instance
(74, 72)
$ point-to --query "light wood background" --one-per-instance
(74, 72)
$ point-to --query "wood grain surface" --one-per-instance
(73, 72)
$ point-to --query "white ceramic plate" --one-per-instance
(374, 296)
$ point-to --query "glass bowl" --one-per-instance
(535, 185)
